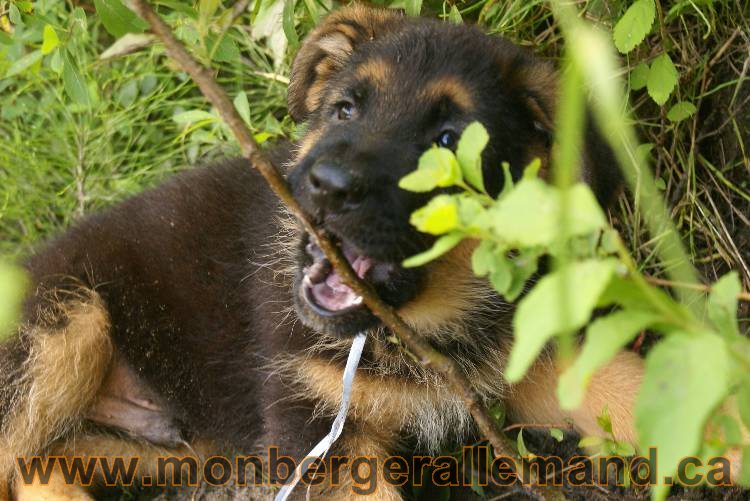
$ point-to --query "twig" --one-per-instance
(742, 296)
(562, 426)
(424, 352)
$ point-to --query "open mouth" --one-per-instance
(322, 286)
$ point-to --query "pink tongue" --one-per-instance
(333, 294)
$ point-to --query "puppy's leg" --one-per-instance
(63, 361)
(534, 400)
(362, 477)
(56, 489)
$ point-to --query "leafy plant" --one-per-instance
(12, 286)
(660, 77)
(688, 374)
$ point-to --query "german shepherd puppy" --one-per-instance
(199, 318)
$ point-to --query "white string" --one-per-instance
(321, 449)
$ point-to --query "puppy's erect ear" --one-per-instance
(328, 47)
(599, 169)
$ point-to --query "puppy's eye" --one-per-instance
(344, 110)
(447, 139)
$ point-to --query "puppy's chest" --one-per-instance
(417, 405)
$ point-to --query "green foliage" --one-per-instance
(12, 287)
(118, 19)
(680, 111)
(634, 25)
(88, 118)
(605, 337)
(688, 374)
(89, 115)
(662, 78)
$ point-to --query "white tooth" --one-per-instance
(306, 281)
(357, 300)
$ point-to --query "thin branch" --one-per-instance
(742, 296)
(561, 426)
(424, 352)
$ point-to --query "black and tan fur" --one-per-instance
(192, 288)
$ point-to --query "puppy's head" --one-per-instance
(377, 89)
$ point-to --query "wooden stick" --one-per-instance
(742, 296)
(425, 353)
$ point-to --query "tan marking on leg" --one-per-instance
(534, 400)
(55, 490)
(368, 443)
(64, 370)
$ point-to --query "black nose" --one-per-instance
(333, 188)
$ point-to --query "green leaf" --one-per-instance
(743, 402)
(25, 5)
(498, 412)
(118, 19)
(128, 93)
(288, 24)
(531, 171)
(605, 421)
(681, 111)
(243, 106)
(193, 116)
(529, 215)
(524, 266)
(584, 280)
(440, 247)
(413, 7)
(50, 41)
(454, 15)
(624, 449)
(522, 450)
(12, 287)
(24, 63)
(75, 85)
(15, 15)
(502, 276)
(439, 216)
(483, 258)
(79, 18)
(469, 153)
(437, 167)
(508, 183)
(730, 429)
(224, 50)
(312, 8)
(590, 442)
(586, 214)
(604, 339)
(625, 292)
(472, 216)
(634, 25)
(687, 376)
(557, 434)
(722, 304)
(56, 62)
(662, 79)
(639, 76)
(207, 9)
